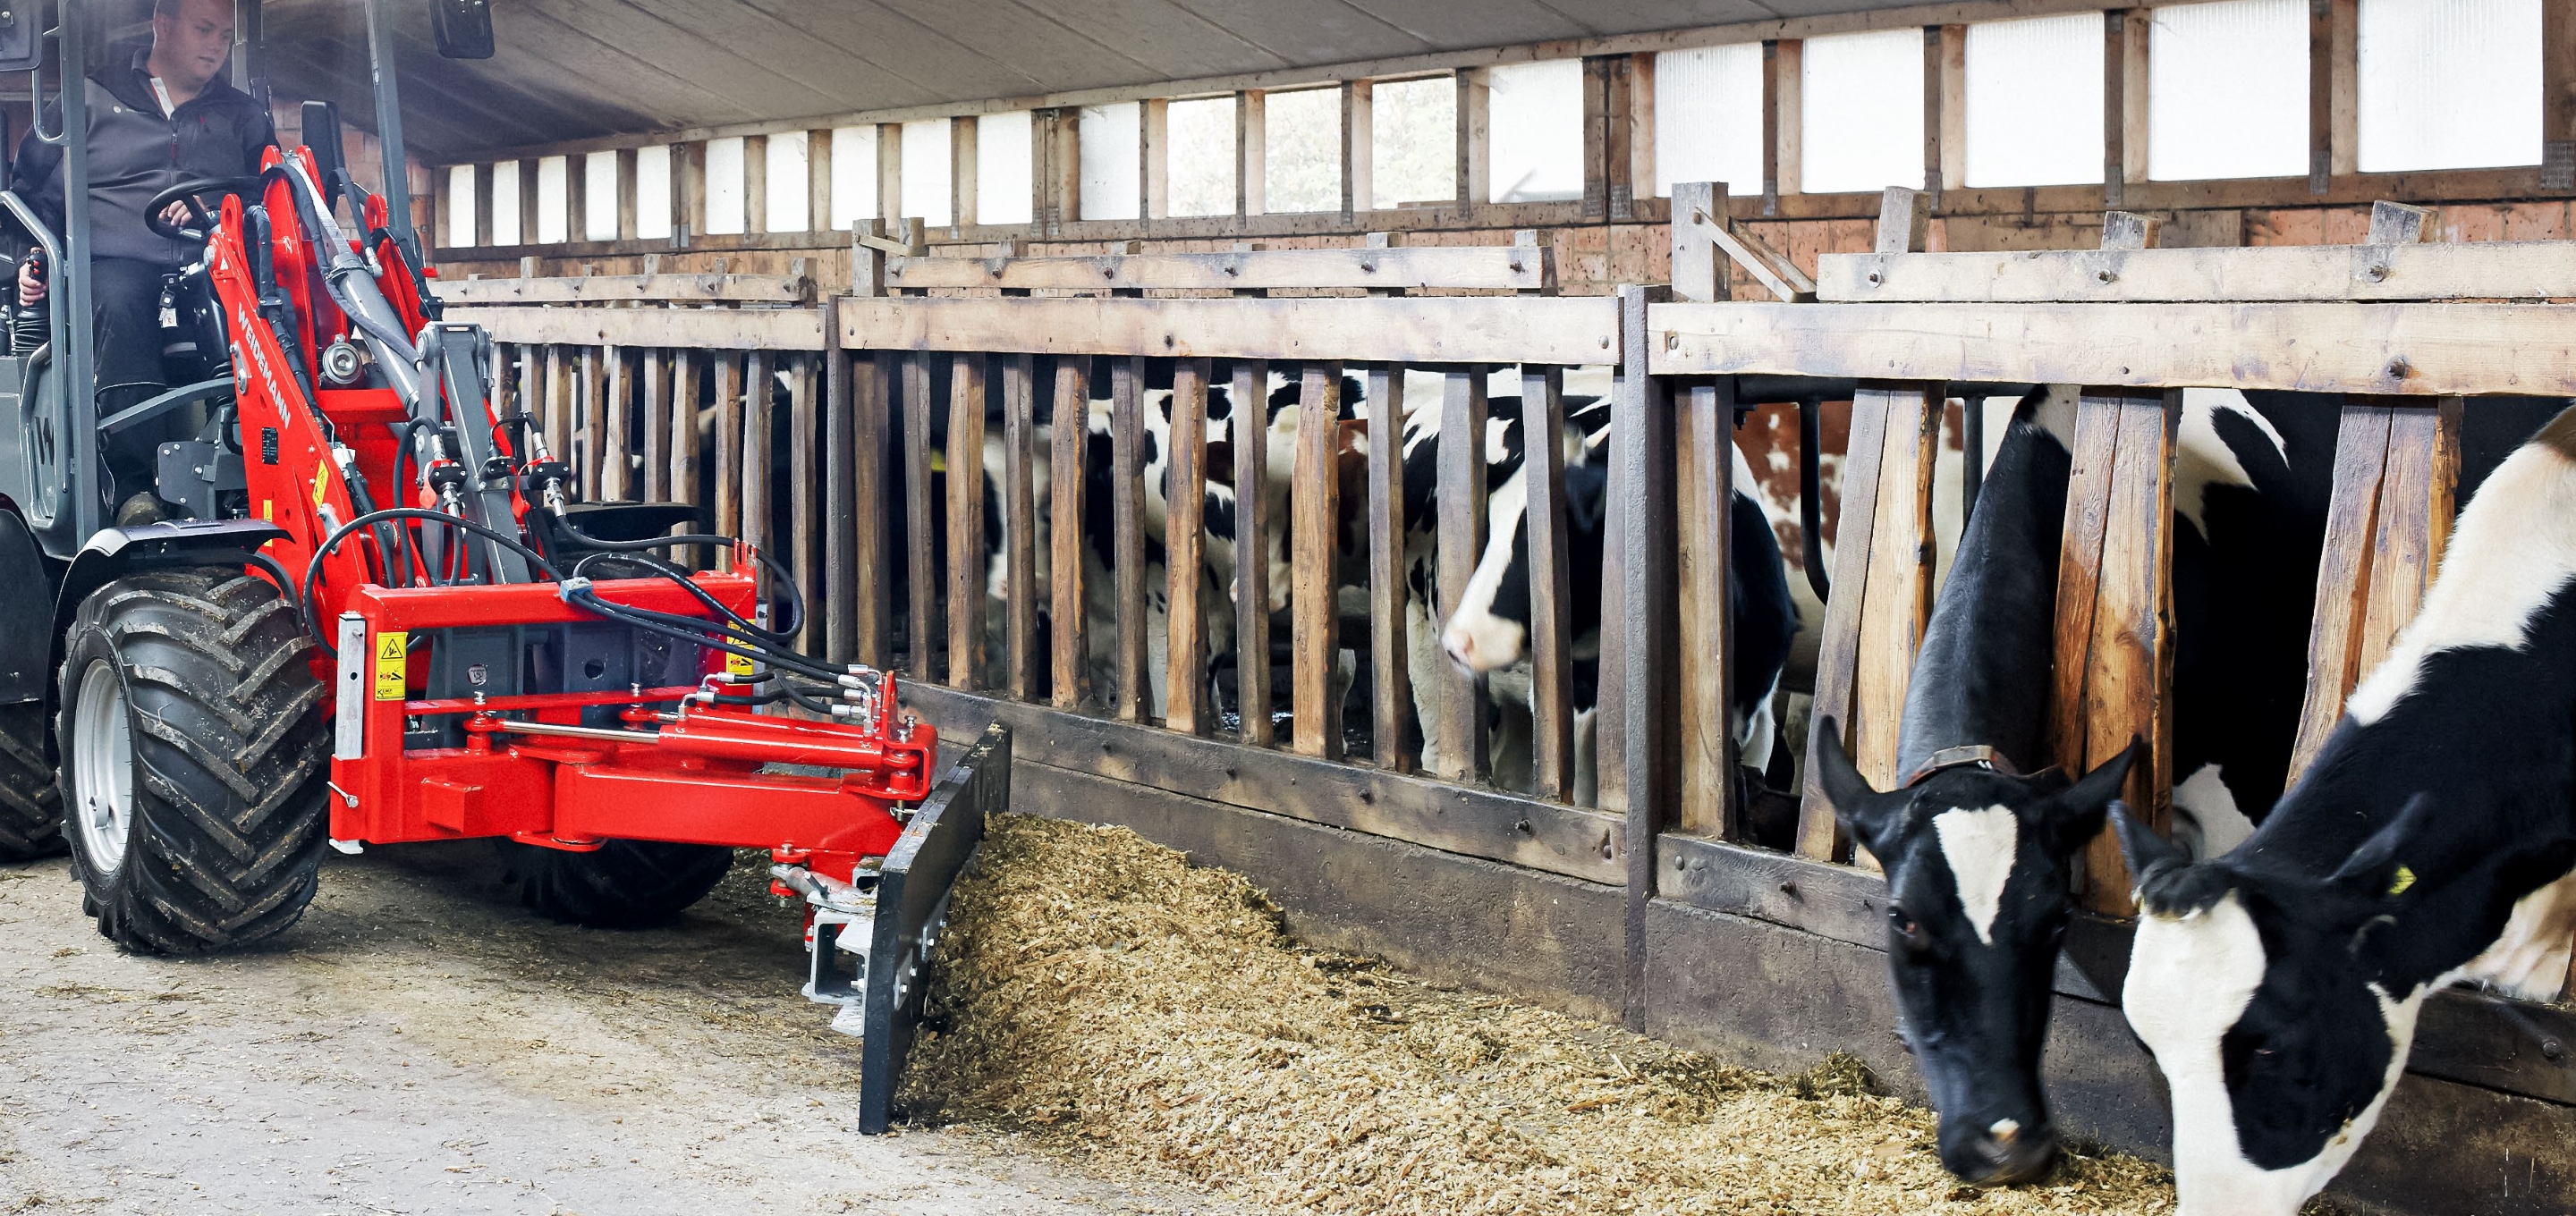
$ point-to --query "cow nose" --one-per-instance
(2004, 1154)
(1461, 646)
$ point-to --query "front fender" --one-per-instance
(113, 552)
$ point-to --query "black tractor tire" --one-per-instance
(222, 763)
(31, 805)
(624, 884)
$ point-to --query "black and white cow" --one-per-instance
(1979, 852)
(2431, 840)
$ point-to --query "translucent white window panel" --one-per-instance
(1201, 158)
(1415, 123)
(653, 191)
(1302, 151)
(1708, 117)
(1002, 186)
(460, 206)
(2227, 90)
(505, 203)
(854, 176)
(599, 196)
(724, 186)
(2449, 84)
(1536, 112)
(790, 209)
(926, 171)
(1860, 97)
(554, 201)
(2034, 101)
(1111, 139)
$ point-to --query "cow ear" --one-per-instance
(2074, 816)
(2379, 868)
(1587, 498)
(2099, 787)
(2167, 883)
(1866, 814)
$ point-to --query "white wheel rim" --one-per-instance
(102, 766)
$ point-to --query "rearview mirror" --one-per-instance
(322, 135)
(22, 42)
(464, 28)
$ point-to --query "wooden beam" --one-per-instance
(1252, 596)
(483, 205)
(1699, 270)
(528, 209)
(965, 482)
(1127, 533)
(1704, 471)
(2114, 641)
(1187, 708)
(2124, 102)
(1543, 528)
(1595, 101)
(728, 446)
(1067, 161)
(1314, 595)
(818, 180)
(1641, 131)
(1019, 526)
(1252, 152)
(1457, 734)
(1389, 644)
(2558, 94)
(2389, 516)
(2341, 71)
(1896, 589)
(962, 139)
(922, 625)
(845, 587)
(733, 329)
(629, 199)
(666, 288)
(1070, 658)
(1949, 123)
(2407, 349)
(2399, 270)
(1468, 329)
(1154, 132)
(1475, 138)
(1428, 267)
(576, 198)
(1647, 740)
(2321, 92)
(755, 185)
(1782, 117)
(689, 183)
(1359, 147)
(890, 173)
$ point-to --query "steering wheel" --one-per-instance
(188, 192)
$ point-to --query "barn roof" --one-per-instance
(581, 69)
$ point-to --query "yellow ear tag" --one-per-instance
(939, 462)
(2405, 879)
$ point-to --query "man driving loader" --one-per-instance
(165, 117)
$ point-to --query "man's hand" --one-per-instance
(176, 214)
(30, 288)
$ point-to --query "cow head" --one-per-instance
(1980, 887)
(2261, 995)
(1490, 629)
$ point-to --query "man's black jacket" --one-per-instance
(135, 153)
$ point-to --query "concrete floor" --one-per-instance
(419, 1043)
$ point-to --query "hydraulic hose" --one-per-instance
(313, 569)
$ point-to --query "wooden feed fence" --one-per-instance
(978, 586)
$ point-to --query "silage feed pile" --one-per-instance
(1121, 1005)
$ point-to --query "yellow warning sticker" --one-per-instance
(393, 660)
(321, 482)
(738, 664)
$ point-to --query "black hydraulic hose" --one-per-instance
(313, 569)
(677, 575)
(582, 596)
(793, 619)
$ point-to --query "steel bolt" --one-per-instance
(2553, 1050)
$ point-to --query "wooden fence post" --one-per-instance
(1647, 740)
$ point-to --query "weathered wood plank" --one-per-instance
(1185, 550)
(657, 426)
(1838, 646)
(2128, 677)
(757, 468)
(559, 407)
(1896, 601)
(2343, 575)
(1704, 475)
(1127, 531)
(594, 289)
(2469, 270)
(965, 460)
(872, 561)
(2414, 519)
(843, 585)
(734, 329)
(1251, 439)
(1551, 640)
(727, 442)
(1458, 750)
(685, 448)
(1389, 643)
(805, 497)
(1314, 611)
(1462, 329)
(1067, 429)
(922, 624)
(2079, 575)
(1460, 267)
(2409, 349)
(1019, 525)
(1640, 491)
(590, 420)
(614, 482)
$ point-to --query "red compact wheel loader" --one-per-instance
(381, 617)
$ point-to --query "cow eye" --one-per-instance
(1905, 926)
